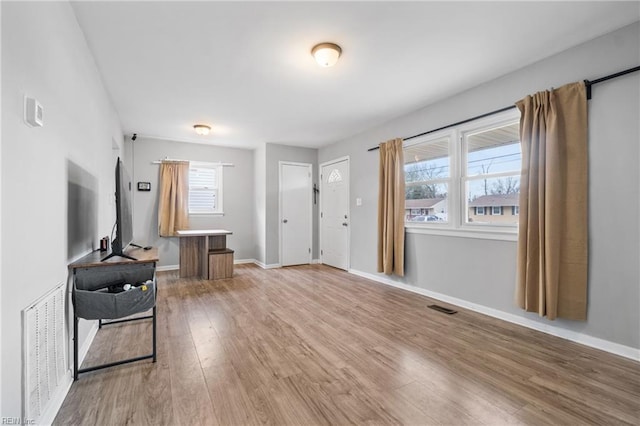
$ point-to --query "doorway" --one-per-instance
(296, 220)
(334, 213)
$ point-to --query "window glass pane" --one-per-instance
(493, 201)
(494, 150)
(426, 203)
(426, 161)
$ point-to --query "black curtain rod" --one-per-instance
(587, 84)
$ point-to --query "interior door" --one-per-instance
(334, 215)
(295, 213)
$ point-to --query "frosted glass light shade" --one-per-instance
(326, 54)
(202, 129)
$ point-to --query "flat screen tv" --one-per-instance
(124, 216)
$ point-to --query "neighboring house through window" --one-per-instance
(465, 177)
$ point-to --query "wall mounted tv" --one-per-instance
(124, 215)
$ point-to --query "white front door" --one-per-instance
(295, 213)
(334, 213)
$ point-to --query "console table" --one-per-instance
(91, 276)
(204, 254)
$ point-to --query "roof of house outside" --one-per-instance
(422, 203)
(496, 200)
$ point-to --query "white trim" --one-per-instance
(584, 339)
(309, 167)
(51, 412)
(49, 415)
(483, 234)
(243, 261)
(167, 268)
(265, 266)
(321, 218)
(315, 261)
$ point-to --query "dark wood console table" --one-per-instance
(204, 254)
(90, 274)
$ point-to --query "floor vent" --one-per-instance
(442, 309)
(44, 353)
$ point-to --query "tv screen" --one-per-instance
(124, 217)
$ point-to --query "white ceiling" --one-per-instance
(246, 69)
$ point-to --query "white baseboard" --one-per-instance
(52, 410)
(50, 413)
(167, 268)
(584, 339)
(315, 261)
(243, 261)
(265, 266)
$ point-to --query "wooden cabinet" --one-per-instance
(220, 264)
(204, 254)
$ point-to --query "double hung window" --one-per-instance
(465, 178)
(205, 188)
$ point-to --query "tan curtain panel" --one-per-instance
(552, 240)
(391, 209)
(173, 206)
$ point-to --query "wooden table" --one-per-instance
(204, 254)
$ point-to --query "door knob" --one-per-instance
(345, 224)
(285, 221)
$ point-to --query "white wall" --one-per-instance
(44, 55)
(238, 195)
(482, 272)
(260, 185)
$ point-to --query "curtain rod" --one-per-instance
(188, 161)
(587, 84)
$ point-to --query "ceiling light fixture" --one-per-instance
(326, 54)
(202, 129)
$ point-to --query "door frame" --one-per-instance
(321, 219)
(310, 195)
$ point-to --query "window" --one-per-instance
(427, 179)
(465, 178)
(491, 173)
(205, 188)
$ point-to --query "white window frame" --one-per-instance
(496, 210)
(480, 210)
(449, 181)
(218, 167)
(458, 210)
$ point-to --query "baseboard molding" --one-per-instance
(315, 261)
(56, 402)
(243, 261)
(52, 410)
(594, 342)
(265, 266)
(167, 268)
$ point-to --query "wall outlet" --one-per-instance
(358, 201)
(33, 112)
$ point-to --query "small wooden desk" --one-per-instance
(204, 254)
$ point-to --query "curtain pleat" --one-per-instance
(391, 200)
(553, 234)
(173, 205)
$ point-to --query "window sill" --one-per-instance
(207, 214)
(484, 234)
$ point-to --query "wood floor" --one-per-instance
(314, 345)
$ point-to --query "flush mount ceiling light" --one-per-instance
(202, 129)
(326, 54)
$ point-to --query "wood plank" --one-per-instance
(314, 345)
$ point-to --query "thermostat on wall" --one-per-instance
(33, 112)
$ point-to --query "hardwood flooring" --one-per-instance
(313, 345)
